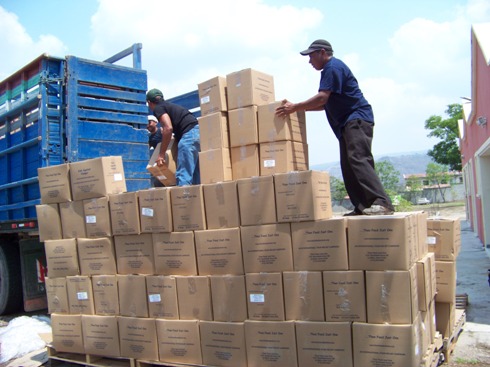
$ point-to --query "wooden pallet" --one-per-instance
(143, 363)
(462, 301)
(57, 358)
(432, 357)
(450, 343)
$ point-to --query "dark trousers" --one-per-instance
(357, 164)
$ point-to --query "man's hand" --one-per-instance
(161, 161)
(285, 108)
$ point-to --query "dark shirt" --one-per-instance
(182, 119)
(155, 138)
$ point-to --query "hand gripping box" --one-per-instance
(164, 174)
(275, 128)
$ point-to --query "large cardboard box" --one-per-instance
(243, 126)
(134, 254)
(223, 344)
(67, 333)
(391, 345)
(164, 174)
(256, 201)
(344, 295)
(221, 205)
(93, 178)
(213, 131)
(54, 183)
(162, 297)
(188, 208)
(303, 296)
(324, 344)
(72, 219)
(49, 222)
(138, 338)
(426, 279)
(445, 313)
(101, 335)
(215, 166)
(303, 196)
(249, 87)
(212, 95)
(444, 238)
(219, 251)
(245, 161)
(179, 341)
(57, 296)
(96, 256)
(283, 156)
(174, 253)
(267, 248)
(320, 245)
(446, 281)
(229, 297)
(80, 295)
(194, 297)
(155, 210)
(271, 343)
(265, 301)
(97, 217)
(106, 294)
(61, 257)
(275, 128)
(132, 295)
(124, 210)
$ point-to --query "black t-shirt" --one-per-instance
(182, 119)
(155, 138)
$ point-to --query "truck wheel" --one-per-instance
(10, 279)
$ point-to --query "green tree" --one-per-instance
(437, 175)
(389, 176)
(337, 189)
(446, 152)
(413, 188)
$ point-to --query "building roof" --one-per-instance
(482, 34)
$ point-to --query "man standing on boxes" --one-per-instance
(351, 119)
(180, 122)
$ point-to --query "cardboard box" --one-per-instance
(267, 248)
(164, 174)
(381, 242)
(213, 131)
(67, 333)
(395, 345)
(444, 238)
(138, 338)
(96, 256)
(72, 219)
(275, 128)
(303, 296)
(219, 251)
(282, 157)
(215, 166)
(243, 126)
(49, 222)
(445, 313)
(132, 295)
(134, 254)
(174, 253)
(223, 344)
(212, 95)
(188, 208)
(194, 297)
(221, 205)
(106, 295)
(57, 295)
(61, 257)
(245, 161)
(80, 295)
(162, 297)
(124, 210)
(179, 341)
(155, 210)
(303, 196)
(54, 183)
(391, 296)
(446, 281)
(93, 178)
(271, 343)
(324, 343)
(344, 295)
(256, 201)
(320, 245)
(249, 87)
(229, 298)
(425, 279)
(265, 297)
(97, 217)
(101, 335)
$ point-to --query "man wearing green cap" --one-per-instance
(182, 124)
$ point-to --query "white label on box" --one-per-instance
(118, 177)
(269, 163)
(82, 296)
(162, 177)
(154, 298)
(147, 212)
(91, 219)
(257, 298)
(205, 100)
(431, 240)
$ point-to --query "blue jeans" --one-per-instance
(188, 158)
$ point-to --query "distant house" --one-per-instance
(421, 186)
(475, 135)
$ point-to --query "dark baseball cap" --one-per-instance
(152, 94)
(317, 45)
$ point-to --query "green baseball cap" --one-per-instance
(152, 95)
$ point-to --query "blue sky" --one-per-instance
(411, 58)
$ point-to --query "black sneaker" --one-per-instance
(352, 213)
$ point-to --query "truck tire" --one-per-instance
(10, 279)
